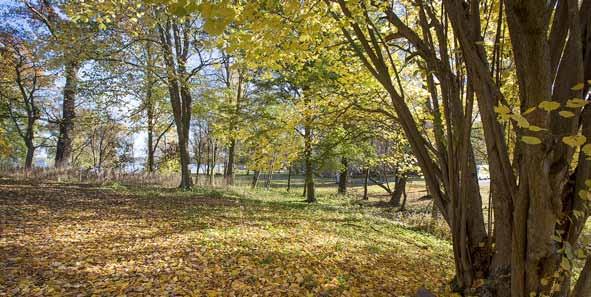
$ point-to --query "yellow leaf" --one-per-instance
(502, 109)
(565, 264)
(576, 103)
(531, 140)
(544, 281)
(535, 128)
(566, 114)
(586, 149)
(529, 110)
(549, 105)
(575, 140)
(578, 87)
(521, 121)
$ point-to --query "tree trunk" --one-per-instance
(268, 179)
(365, 181)
(583, 285)
(343, 176)
(30, 154)
(214, 153)
(149, 106)
(186, 180)
(404, 197)
(399, 188)
(229, 172)
(289, 178)
(309, 179)
(150, 165)
(255, 179)
(198, 156)
(66, 124)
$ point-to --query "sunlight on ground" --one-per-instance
(63, 241)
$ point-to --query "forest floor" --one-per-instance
(61, 239)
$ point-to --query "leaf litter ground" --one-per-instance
(82, 240)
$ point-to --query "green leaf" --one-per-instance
(102, 26)
(549, 105)
(531, 140)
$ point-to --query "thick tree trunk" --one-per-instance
(343, 176)
(30, 154)
(399, 189)
(583, 285)
(229, 172)
(66, 124)
(180, 95)
(186, 180)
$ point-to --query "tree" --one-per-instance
(22, 80)
(98, 141)
(529, 254)
(552, 68)
(62, 30)
(178, 40)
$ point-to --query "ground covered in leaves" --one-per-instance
(82, 240)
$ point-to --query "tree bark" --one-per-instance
(214, 153)
(289, 178)
(309, 187)
(365, 181)
(399, 188)
(178, 86)
(30, 153)
(268, 179)
(149, 106)
(583, 285)
(343, 176)
(255, 179)
(66, 124)
(229, 172)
